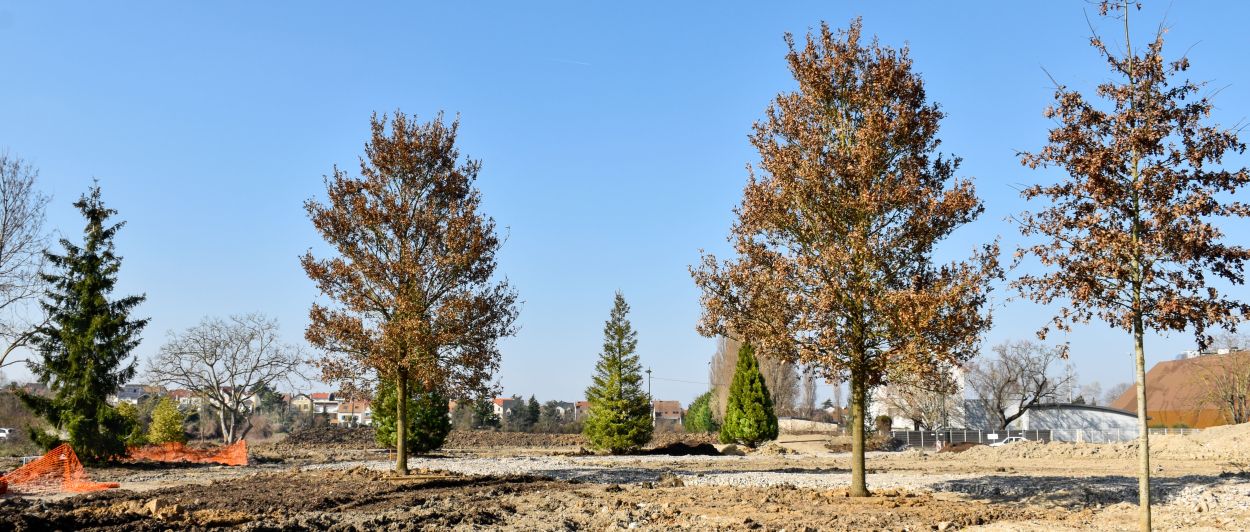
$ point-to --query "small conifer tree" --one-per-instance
(167, 420)
(699, 415)
(749, 416)
(620, 409)
(533, 412)
(428, 422)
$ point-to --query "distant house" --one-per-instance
(666, 412)
(301, 402)
(36, 388)
(325, 403)
(564, 409)
(133, 393)
(581, 410)
(354, 413)
(503, 406)
(186, 398)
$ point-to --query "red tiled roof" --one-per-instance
(321, 396)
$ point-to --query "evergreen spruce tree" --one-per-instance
(428, 422)
(533, 411)
(84, 348)
(620, 410)
(749, 416)
(699, 415)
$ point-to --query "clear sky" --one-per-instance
(613, 139)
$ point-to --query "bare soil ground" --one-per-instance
(487, 481)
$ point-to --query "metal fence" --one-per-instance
(1114, 435)
(928, 439)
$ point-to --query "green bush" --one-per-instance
(699, 415)
(428, 422)
(135, 433)
(167, 423)
(749, 416)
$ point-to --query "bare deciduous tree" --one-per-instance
(22, 243)
(807, 401)
(927, 402)
(1022, 374)
(225, 362)
(1115, 391)
(1224, 382)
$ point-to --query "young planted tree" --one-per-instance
(835, 235)
(412, 278)
(699, 415)
(167, 423)
(749, 416)
(533, 411)
(1131, 235)
(620, 409)
(428, 422)
(84, 347)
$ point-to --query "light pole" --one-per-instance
(649, 398)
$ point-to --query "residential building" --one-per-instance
(354, 413)
(186, 398)
(325, 403)
(581, 410)
(133, 393)
(301, 402)
(503, 406)
(666, 411)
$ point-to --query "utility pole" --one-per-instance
(650, 398)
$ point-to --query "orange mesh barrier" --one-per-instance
(234, 454)
(57, 471)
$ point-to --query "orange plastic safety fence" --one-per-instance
(57, 471)
(234, 454)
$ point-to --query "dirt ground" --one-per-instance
(797, 484)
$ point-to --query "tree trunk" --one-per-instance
(859, 394)
(401, 422)
(1143, 432)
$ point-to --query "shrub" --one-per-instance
(699, 415)
(749, 416)
(428, 422)
(136, 433)
(167, 422)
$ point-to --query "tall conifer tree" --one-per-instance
(620, 410)
(85, 345)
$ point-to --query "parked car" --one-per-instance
(1005, 441)
(4, 433)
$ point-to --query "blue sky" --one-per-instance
(613, 140)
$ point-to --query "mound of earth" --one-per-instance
(683, 449)
(332, 435)
(1227, 443)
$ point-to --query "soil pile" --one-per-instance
(1226, 443)
(362, 437)
(684, 449)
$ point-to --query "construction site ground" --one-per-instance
(548, 482)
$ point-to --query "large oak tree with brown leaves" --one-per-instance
(413, 280)
(1131, 234)
(835, 233)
